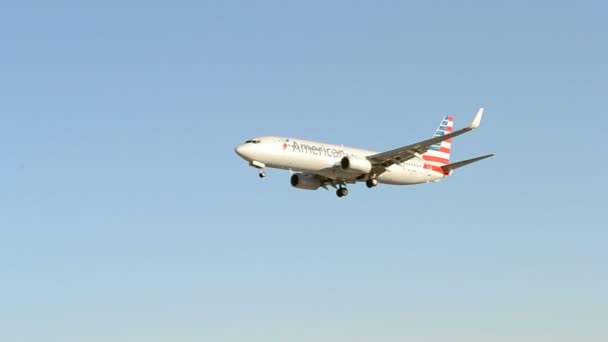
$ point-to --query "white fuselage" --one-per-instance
(324, 159)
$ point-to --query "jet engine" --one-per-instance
(305, 181)
(356, 164)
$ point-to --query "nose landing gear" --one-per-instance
(260, 166)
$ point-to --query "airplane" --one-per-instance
(317, 165)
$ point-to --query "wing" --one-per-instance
(382, 161)
(333, 182)
(329, 181)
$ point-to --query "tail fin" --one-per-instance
(439, 154)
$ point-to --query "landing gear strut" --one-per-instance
(260, 166)
(341, 192)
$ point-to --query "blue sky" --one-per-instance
(125, 214)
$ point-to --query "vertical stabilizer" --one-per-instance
(439, 154)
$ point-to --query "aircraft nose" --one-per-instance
(241, 151)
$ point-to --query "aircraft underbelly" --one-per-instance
(406, 176)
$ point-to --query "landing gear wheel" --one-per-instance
(372, 182)
(342, 192)
(262, 174)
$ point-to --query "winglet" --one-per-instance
(477, 119)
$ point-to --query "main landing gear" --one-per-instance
(342, 192)
(262, 174)
(372, 182)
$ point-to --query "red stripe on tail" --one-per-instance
(435, 159)
(436, 169)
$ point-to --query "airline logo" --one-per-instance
(317, 150)
(446, 126)
(439, 154)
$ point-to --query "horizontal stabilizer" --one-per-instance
(454, 166)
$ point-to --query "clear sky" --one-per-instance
(126, 216)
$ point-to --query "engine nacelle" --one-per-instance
(355, 164)
(305, 181)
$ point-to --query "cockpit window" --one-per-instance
(253, 141)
